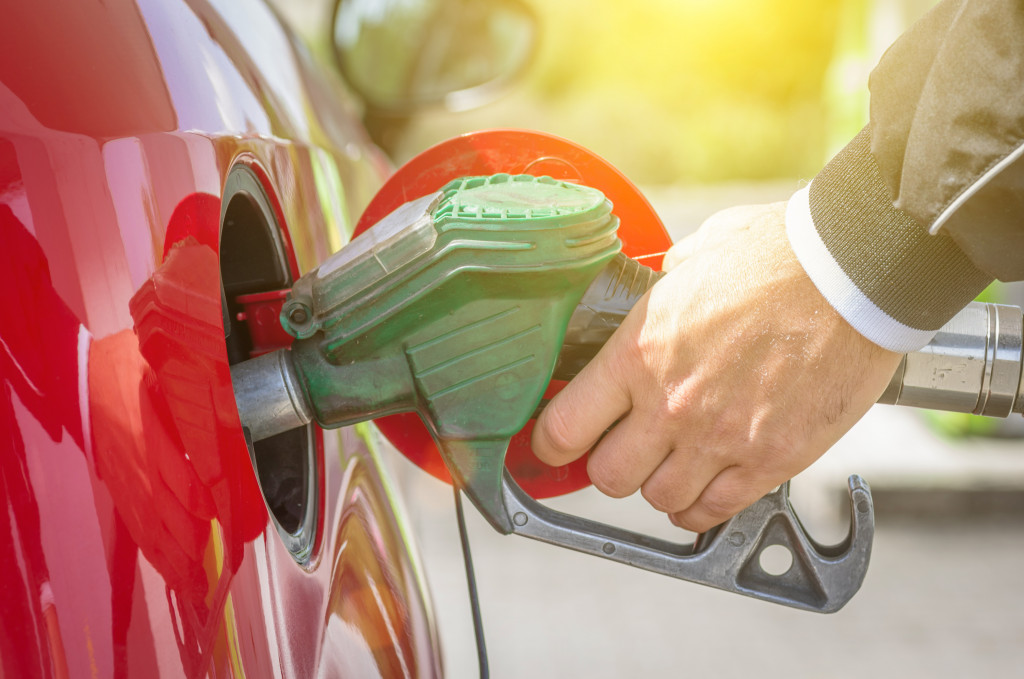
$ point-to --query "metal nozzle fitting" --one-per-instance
(269, 396)
(972, 366)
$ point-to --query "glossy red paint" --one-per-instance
(136, 540)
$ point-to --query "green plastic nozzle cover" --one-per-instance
(454, 306)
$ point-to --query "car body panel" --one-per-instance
(138, 541)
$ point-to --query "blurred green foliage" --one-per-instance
(691, 89)
(674, 90)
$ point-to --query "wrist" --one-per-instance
(877, 267)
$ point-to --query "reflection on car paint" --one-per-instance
(139, 543)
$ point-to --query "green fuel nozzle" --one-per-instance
(462, 305)
(454, 306)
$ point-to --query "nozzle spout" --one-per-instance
(269, 397)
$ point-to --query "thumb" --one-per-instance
(578, 416)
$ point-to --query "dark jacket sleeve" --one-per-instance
(947, 119)
(926, 206)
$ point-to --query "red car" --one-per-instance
(165, 167)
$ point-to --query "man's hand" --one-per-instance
(730, 376)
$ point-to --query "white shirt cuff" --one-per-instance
(833, 283)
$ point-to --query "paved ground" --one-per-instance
(943, 597)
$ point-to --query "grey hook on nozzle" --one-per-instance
(820, 578)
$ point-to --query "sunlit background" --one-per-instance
(705, 104)
(693, 91)
(676, 91)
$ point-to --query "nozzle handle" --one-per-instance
(729, 557)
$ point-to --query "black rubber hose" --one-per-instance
(603, 307)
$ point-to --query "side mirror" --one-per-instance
(400, 55)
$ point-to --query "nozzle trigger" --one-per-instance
(820, 578)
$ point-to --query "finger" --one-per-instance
(579, 414)
(729, 493)
(627, 455)
(678, 481)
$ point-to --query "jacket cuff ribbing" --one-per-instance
(878, 267)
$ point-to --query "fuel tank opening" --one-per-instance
(255, 272)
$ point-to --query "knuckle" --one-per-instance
(688, 520)
(719, 505)
(660, 496)
(774, 451)
(695, 525)
(608, 481)
(729, 429)
(673, 409)
(670, 414)
(633, 357)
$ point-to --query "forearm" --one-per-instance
(926, 205)
(877, 266)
